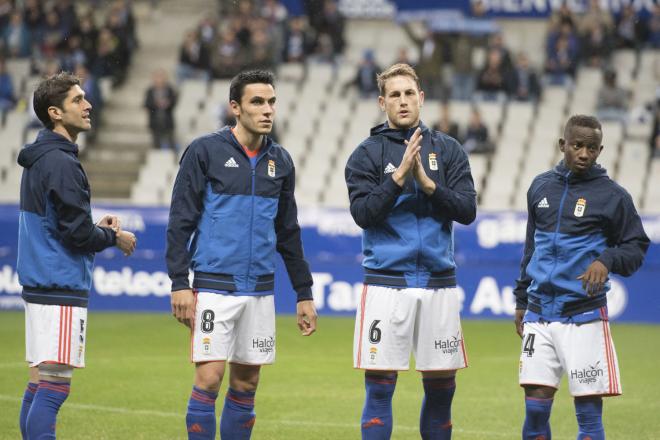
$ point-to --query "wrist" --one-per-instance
(398, 178)
(428, 186)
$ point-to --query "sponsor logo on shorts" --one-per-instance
(264, 345)
(449, 345)
(588, 375)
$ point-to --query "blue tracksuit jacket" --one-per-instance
(229, 215)
(572, 221)
(408, 239)
(56, 238)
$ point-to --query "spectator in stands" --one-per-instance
(298, 40)
(108, 59)
(653, 26)
(430, 62)
(226, 55)
(496, 43)
(89, 37)
(193, 58)
(52, 35)
(72, 55)
(562, 55)
(16, 37)
(402, 57)
(596, 46)
(562, 16)
(655, 136)
(629, 29)
(612, 101)
(445, 123)
(463, 70)
(33, 17)
(596, 17)
(275, 15)
(160, 101)
(332, 25)
(7, 95)
(494, 81)
(477, 139)
(526, 83)
(6, 8)
(262, 51)
(365, 77)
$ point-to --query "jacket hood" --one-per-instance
(47, 141)
(595, 172)
(397, 134)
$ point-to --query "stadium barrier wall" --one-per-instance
(487, 253)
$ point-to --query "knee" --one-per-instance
(244, 379)
(208, 379)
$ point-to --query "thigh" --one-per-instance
(590, 359)
(540, 363)
(55, 334)
(254, 342)
(438, 342)
(213, 328)
(384, 328)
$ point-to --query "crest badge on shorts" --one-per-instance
(373, 351)
(271, 168)
(433, 162)
(580, 207)
(206, 343)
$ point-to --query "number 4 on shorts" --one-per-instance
(528, 345)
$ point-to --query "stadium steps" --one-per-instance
(113, 163)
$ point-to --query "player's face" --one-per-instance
(581, 148)
(401, 102)
(256, 110)
(74, 114)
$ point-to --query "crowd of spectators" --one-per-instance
(63, 35)
(260, 34)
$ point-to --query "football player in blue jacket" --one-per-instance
(581, 227)
(233, 208)
(407, 184)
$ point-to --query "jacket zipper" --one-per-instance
(554, 238)
(253, 170)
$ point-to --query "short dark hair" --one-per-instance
(241, 80)
(582, 121)
(51, 92)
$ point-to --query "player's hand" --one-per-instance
(593, 279)
(110, 221)
(306, 314)
(408, 161)
(425, 182)
(183, 306)
(518, 320)
(126, 242)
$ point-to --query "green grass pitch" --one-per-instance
(138, 378)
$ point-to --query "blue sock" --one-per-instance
(28, 396)
(537, 419)
(238, 415)
(48, 399)
(435, 418)
(377, 412)
(200, 419)
(589, 414)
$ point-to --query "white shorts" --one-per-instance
(392, 322)
(55, 334)
(585, 352)
(239, 329)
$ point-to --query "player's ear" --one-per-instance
(55, 113)
(381, 103)
(421, 98)
(562, 144)
(235, 108)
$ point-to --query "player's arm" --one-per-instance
(627, 241)
(457, 201)
(70, 197)
(370, 200)
(523, 282)
(185, 210)
(289, 246)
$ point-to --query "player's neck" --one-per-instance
(61, 130)
(251, 141)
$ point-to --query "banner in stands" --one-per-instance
(487, 253)
(492, 8)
